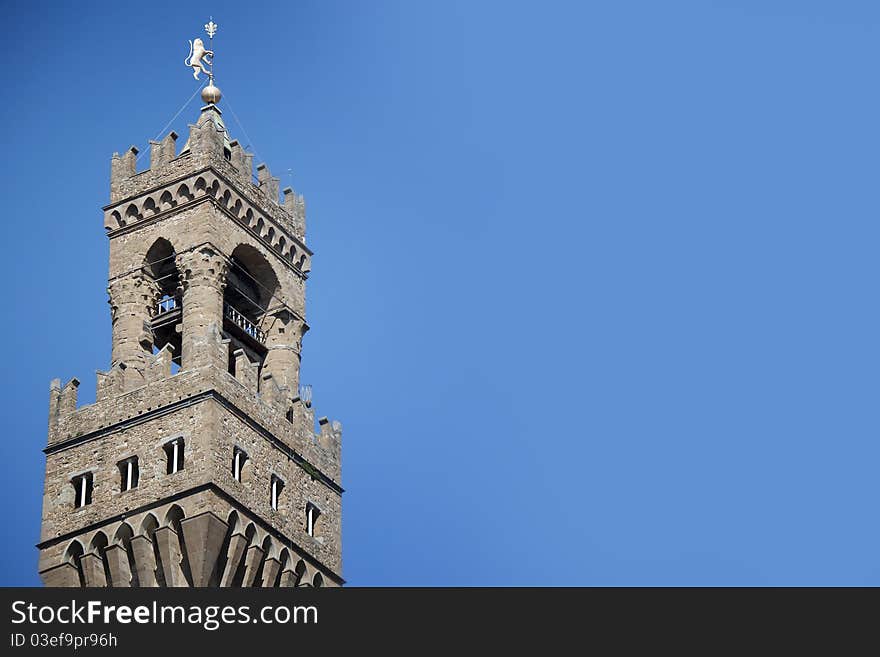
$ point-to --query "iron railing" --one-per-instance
(243, 323)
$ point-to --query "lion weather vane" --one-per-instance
(199, 56)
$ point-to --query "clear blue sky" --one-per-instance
(595, 292)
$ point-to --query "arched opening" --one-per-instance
(149, 525)
(283, 561)
(232, 527)
(123, 537)
(318, 580)
(166, 201)
(251, 285)
(161, 267)
(301, 571)
(172, 519)
(72, 556)
(97, 546)
(131, 213)
(267, 552)
(150, 207)
(232, 521)
(249, 533)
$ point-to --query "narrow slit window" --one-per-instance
(312, 515)
(82, 486)
(275, 492)
(174, 453)
(129, 473)
(239, 458)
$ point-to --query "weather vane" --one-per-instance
(199, 56)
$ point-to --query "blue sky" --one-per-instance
(594, 291)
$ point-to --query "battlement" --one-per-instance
(276, 410)
(147, 193)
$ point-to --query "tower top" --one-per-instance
(199, 56)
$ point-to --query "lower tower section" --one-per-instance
(190, 480)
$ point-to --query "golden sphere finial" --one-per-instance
(211, 94)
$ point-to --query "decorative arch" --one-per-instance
(72, 555)
(150, 206)
(184, 193)
(173, 517)
(232, 521)
(99, 542)
(131, 213)
(73, 552)
(123, 535)
(251, 283)
(166, 201)
(301, 571)
(149, 525)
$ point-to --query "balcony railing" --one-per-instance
(243, 323)
(166, 305)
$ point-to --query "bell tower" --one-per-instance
(200, 463)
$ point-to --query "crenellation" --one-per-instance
(67, 398)
(242, 161)
(268, 183)
(169, 146)
(246, 372)
(110, 383)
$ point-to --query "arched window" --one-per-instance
(161, 267)
(251, 286)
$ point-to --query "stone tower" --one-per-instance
(199, 463)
